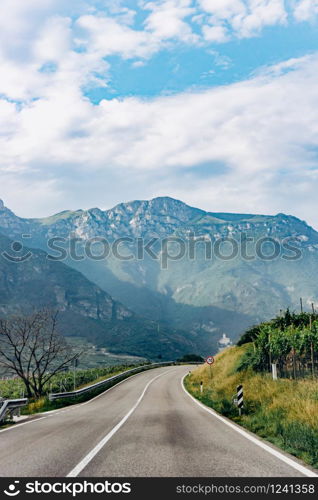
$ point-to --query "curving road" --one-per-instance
(146, 426)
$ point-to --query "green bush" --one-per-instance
(289, 336)
(64, 381)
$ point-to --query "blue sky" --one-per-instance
(184, 67)
(210, 101)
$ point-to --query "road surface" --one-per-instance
(145, 426)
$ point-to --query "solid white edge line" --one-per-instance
(23, 423)
(89, 457)
(261, 444)
(70, 407)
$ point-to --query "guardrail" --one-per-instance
(110, 381)
(11, 406)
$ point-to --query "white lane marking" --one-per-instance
(23, 423)
(272, 451)
(107, 390)
(53, 413)
(89, 457)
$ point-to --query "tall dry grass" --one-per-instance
(284, 411)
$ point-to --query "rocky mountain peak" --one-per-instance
(194, 294)
(162, 206)
(171, 206)
(9, 221)
(160, 216)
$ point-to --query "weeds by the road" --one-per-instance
(284, 411)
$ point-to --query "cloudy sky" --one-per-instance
(214, 102)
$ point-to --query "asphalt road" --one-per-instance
(145, 426)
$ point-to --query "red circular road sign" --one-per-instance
(210, 360)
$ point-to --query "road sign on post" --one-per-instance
(210, 360)
(240, 401)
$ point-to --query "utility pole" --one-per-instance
(75, 364)
(294, 363)
(312, 359)
(270, 352)
(301, 304)
(312, 350)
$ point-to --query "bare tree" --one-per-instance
(32, 349)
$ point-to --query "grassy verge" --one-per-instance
(285, 412)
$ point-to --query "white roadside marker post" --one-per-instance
(240, 401)
(201, 387)
(274, 371)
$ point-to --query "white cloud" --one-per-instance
(258, 140)
(224, 9)
(54, 40)
(105, 36)
(168, 20)
(73, 38)
(46, 60)
(306, 10)
(217, 34)
(243, 18)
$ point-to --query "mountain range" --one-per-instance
(184, 275)
(85, 310)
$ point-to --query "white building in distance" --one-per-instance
(224, 342)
